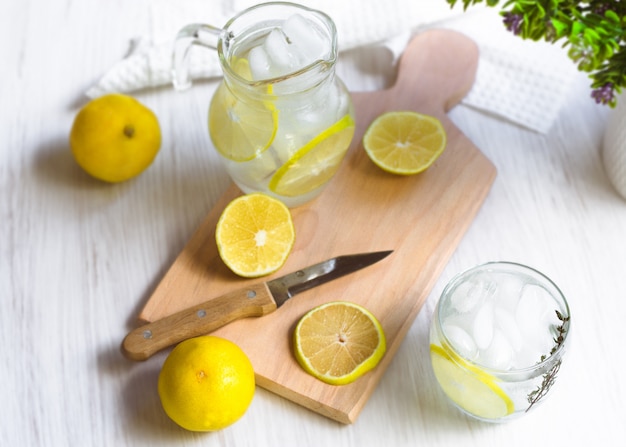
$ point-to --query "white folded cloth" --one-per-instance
(521, 81)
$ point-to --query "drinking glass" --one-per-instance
(498, 338)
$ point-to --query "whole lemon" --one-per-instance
(115, 137)
(206, 383)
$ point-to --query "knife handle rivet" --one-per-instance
(201, 313)
(251, 294)
(299, 273)
(147, 334)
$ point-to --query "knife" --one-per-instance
(253, 301)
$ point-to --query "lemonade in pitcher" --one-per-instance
(281, 120)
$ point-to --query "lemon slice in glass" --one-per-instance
(241, 130)
(254, 235)
(404, 142)
(468, 386)
(316, 162)
(338, 342)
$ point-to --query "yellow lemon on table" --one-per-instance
(404, 142)
(338, 342)
(206, 383)
(115, 137)
(255, 234)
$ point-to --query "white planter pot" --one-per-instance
(614, 146)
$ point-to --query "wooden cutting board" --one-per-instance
(422, 218)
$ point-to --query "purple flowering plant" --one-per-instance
(593, 31)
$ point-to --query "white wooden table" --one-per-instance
(79, 258)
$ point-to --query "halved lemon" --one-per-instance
(316, 162)
(255, 235)
(241, 130)
(468, 386)
(404, 142)
(338, 342)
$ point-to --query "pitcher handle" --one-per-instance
(193, 34)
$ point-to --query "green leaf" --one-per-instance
(591, 35)
(559, 27)
(607, 52)
(595, 41)
(612, 16)
(577, 28)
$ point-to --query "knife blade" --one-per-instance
(252, 301)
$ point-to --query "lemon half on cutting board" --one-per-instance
(255, 234)
(404, 142)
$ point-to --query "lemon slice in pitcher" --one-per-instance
(471, 388)
(316, 162)
(241, 130)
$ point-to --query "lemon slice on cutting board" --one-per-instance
(254, 235)
(338, 342)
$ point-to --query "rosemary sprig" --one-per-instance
(594, 31)
(549, 377)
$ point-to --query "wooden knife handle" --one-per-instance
(253, 301)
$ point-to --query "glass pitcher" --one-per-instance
(280, 119)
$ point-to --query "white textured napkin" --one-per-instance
(521, 81)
